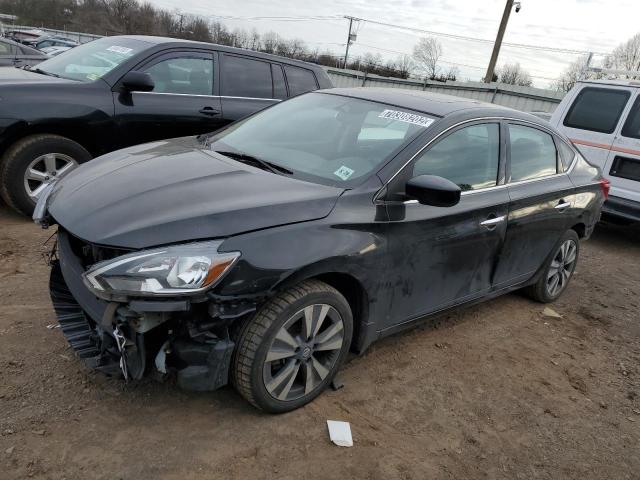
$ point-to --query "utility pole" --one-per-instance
(350, 38)
(496, 46)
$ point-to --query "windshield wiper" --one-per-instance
(42, 72)
(256, 162)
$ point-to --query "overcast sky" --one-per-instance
(589, 25)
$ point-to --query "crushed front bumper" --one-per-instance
(136, 336)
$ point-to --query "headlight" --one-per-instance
(175, 270)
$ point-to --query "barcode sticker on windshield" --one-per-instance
(406, 117)
(117, 49)
(344, 172)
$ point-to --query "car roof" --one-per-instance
(431, 103)
(177, 42)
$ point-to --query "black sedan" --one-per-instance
(120, 91)
(267, 251)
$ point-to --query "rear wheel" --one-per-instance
(558, 271)
(292, 348)
(32, 163)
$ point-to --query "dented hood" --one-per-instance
(176, 191)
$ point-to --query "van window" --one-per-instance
(300, 80)
(533, 153)
(245, 77)
(597, 109)
(632, 125)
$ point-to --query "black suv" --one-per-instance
(121, 91)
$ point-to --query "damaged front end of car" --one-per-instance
(133, 313)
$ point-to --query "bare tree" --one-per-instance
(577, 70)
(427, 54)
(404, 65)
(626, 56)
(270, 42)
(514, 74)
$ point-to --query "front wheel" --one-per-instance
(292, 348)
(558, 270)
(32, 163)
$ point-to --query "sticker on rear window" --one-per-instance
(122, 50)
(344, 172)
(406, 117)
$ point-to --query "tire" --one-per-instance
(542, 290)
(317, 356)
(21, 156)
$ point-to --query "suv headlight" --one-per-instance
(174, 270)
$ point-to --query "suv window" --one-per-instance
(597, 109)
(300, 80)
(279, 87)
(632, 125)
(191, 76)
(468, 157)
(245, 77)
(533, 153)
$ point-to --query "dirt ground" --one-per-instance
(495, 391)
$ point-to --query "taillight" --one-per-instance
(605, 185)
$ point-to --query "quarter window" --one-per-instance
(632, 125)
(300, 80)
(597, 109)
(245, 77)
(468, 157)
(533, 153)
(566, 155)
(183, 75)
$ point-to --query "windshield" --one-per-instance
(92, 60)
(324, 138)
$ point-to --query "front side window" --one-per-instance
(597, 109)
(300, 80)
(324, 138)
(91, 61)
(533, 153)
(245, 77)
(469, 157)
(183, 75)
(632, 125)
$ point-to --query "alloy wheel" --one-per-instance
(303, 352)
(44, 170)
(561, 268)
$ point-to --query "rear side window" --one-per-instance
(279, 88)
(245, 77)
(533, 153)
(632, 125)
(597, 109)
(300, 80)
(566, 155)
(468, 157)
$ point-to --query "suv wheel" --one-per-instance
(558, 271)
(33, 162)
(292, 348)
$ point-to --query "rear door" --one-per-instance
(592, 119)
(182, 103)
(247, 85)
(541, 200)
(623, 166)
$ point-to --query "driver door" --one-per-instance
(443, 256)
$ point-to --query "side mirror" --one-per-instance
(432, 190)
(138, 82)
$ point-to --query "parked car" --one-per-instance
(16, 55)
(23, 36)
(602, 118)
(54, 51)
(265, 252)
(54, 42)
(119, 91)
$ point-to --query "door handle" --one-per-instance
(562, 205)
(491, 223)
(209, 111)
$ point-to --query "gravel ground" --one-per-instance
(495, 391)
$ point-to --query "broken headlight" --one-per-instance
(174, 270)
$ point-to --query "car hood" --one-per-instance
(175, 191)
(20, 76)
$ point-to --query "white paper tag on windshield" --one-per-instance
(406, 117)
(117, 49)
(344, 172)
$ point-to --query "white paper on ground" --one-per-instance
(340, 433)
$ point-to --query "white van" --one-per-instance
(602, 118)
